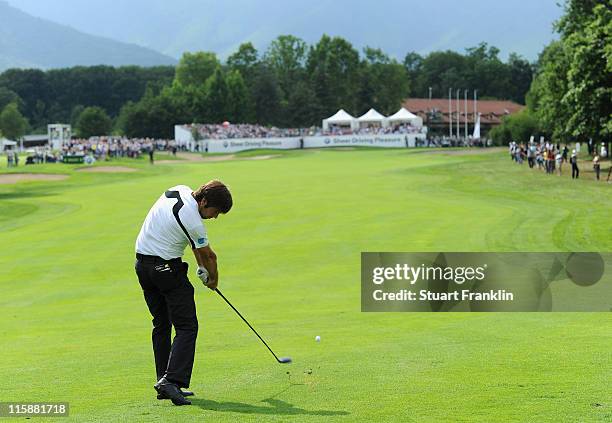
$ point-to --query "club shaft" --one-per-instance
(248, 324)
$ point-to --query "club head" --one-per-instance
(284, 360)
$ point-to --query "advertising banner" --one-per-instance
(241, 144)
(389, 140)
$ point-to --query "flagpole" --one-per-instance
(458, 114)
(475, 112)
(450, 112)
(466, 112)
(475, 105)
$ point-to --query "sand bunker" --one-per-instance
(107, 169)
(263, 157)
(13, 178)
(218, 158)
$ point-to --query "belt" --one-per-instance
(155, 259)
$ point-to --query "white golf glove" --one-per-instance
(203, 274)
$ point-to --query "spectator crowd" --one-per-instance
(245, 130)
(550, 157)
(95, 148)
(242, 130)
(370, 130)
(113, 147)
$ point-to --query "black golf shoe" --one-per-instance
(170, 391)
(183, 393)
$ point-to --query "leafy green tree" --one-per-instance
(153, 116)
(547, 95)
(441, 70)
(287, 57)
(521, 76)
(413, 63)
(8, 96)
(196, 68)
(52, 95)
(93, 121)
(302, 109)
(367, 94)
(518, 127)
(334, 68)
(479, 68)
(12, 123)
(217, 97)
(586, 31)
(368, 89)
(244, 60)
(189, 101)
(74, 115)
(239, 103)
(578, 14)
(384, 83)
(33, 88)
(572, 88)
(484, 70)
(375, 56)
(266, 96)
(128, 119)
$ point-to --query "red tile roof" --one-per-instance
(491, 110)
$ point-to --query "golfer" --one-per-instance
(174, 222)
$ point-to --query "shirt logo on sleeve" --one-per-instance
(201, 240)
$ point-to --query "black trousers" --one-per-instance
(169, 296)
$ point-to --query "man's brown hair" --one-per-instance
(216, 194)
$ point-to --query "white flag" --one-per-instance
(476, 135)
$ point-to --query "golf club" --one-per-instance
(282, 360)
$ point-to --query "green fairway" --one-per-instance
(75, 326)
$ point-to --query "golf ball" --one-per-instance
(318, 338)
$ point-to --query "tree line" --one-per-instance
(290, 84)
(570, 98)
(60, 95)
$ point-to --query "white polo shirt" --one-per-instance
(172, 223)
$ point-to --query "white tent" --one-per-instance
(371, 116)
(341, 118)
(6, 144)
(404, 116)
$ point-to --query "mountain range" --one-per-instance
(30, 42)
(173, 27)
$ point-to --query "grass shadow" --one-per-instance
(12, 195)
(274, 406)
